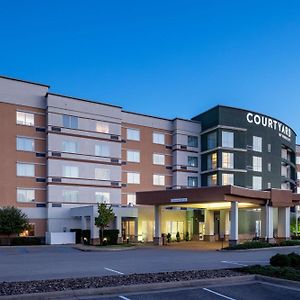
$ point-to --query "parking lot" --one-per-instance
(53, 262)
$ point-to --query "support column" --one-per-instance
(83, 227)
(157, 240)
(284, 223)
(267, 224)
(234, 222)
(136, 230)
(119, 227)
(209, 226)
(95, 238)
(224, 224)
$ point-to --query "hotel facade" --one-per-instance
(226, 173)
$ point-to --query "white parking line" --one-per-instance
(218, 294)
(124, 298)
(233, 263)
(111, 270)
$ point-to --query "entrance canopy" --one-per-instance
(219, 194)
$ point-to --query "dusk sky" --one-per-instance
(163, 58)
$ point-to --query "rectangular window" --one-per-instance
(25, 118)
(269, 185)
(269, 167)
(102, 174)
(227, 160)
(133, 178)
(70, 146)
(227, 139)
(269, 147)
(102, 150)
(193, 161)
(131, 199)
(227, 179)
(158, 159)
(25, 144)
(158, 179)
(158, 138)
(192, 181)
(133, 134)
(256, 182)
(25, 195)
(70, 196)
(284, 153)
(27, 170)
(133, 156)
(257, 164)
(70, 121)
(212, 180)
(212, 161)
(102, 197)
(71, 171)
(257, 143)
(102, 127)
(298, 160)
(192, 141)
(212, 140)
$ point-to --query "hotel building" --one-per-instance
(226, 172)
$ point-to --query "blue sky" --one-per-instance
(166, 58)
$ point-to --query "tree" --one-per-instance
(105, 216)
(12, 221)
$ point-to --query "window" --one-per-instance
(25, 144)
(212, 140)
(227, 179)
(25, 118)
(192, 141)
(298, 175)
(70, 171)
(158, 179)
(257, 182)
(284, 153)
(70, 196)
(193, 161)
(158, 138)
(227, 160)
(227, 139)
(298, 160)
(269, 185)
(133, 156)
(257, 144)
(70, 122)
(102, 127)
(70, 146)
(102, 174)
(102, 150)
(212, 180)
(212, 161)
(257, 164)
(192, 181)
(102, 197)
(25, 195)
(158, 159)
(133, 134)
(269, 167)
(131, 199)
(29, 231)
(133, 178)
(25, 170)
(269, 147)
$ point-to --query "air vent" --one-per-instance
(124, 162)
(249, 147)
(183, 147)
(124, 184)
(55, 128)
(169, 147)
(169, 167)
(114, 160)
(56, 154)
(114, 137)
(114, 183)
(56, 179)
(40, 179)
(123, 141)
(40, 154)
(40, 205)
(183, 167)
(56, 204)
(40, 129)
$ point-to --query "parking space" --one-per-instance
(246, 291)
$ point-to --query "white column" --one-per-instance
(284, 222)
(157, 224)
(227, 223)
(209, 226)
(83, 223)
(234, 222)
(267, 223)
(119, 227)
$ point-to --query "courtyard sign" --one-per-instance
(283, 130)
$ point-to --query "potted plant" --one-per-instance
(169, 237)
(187, 236)
(178, 236)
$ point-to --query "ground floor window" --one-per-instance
(173, 227)
(29, 231)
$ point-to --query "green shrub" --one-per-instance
(250, 245)
(110, 236)
(178, 236)
(169, 237)
(27, 241)
(187, 236)
(290, 243)
(280, 260)
(294, 260)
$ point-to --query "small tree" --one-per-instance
(12, 221)
(105, 216)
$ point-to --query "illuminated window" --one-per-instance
(212, 180)
(25, 118)
(28, 232)
(227, 160)
(227, 179)
(212, 161)
(102, 127)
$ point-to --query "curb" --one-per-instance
(131, 288)
(279, 281)
(87, 249)
(260, 249)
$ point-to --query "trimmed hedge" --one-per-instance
(250, 245)
(283, 260)
(111, 236)
(27, 241)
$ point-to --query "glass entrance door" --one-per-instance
(201, 231)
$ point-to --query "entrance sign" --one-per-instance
(179, 200)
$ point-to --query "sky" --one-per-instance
(164, 58)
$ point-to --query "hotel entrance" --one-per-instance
(129, 229)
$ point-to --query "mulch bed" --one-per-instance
(42, 286)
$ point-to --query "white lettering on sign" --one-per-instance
(284, 131)
(179, 200)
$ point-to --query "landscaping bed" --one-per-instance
(42, 286)
(259, 244)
